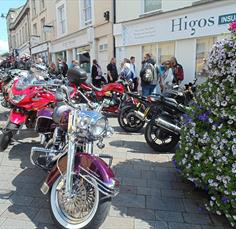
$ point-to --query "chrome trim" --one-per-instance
(167, 125)
(44, 188)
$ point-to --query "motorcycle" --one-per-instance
(27, 95)
(81, 184)
(113, 93)
(133, 117)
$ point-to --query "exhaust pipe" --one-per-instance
(139, 115)
(167, 125)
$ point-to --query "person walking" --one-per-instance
(178, 71)
(97, 78)
(149, 75)
(167, 77)
(112, 74)
(133, 69)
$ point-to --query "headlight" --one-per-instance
(17, 98)
(98, 127)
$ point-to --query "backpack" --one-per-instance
(147, 73)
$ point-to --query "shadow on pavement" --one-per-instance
(157, 197)
(26, 203)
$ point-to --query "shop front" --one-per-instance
(41, 51)
(76, 46)
(188, 34)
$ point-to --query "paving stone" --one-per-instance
(166, 204)
(2, 220)
(46, 226)
(148, 191)
(219, 220)
(183, 226)
(118, 211)
(21, 200)
(196, 218)
(20, 213)
(194, 206)
(215, 227)
(38, 202)
(172, 193)
(129, 200)
(118, 223)
(134, 182)
(43, 216)
(17, 224)
(144, 224)
(142, 213)
(4, 207)
(128, 189)
(159, 184)
(169, 216)
(130, 172)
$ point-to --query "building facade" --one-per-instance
(83, 33)
(18, 24)
(42, 21)
(186, 31)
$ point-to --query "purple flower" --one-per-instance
(187, 119)
(224, 200)
(203, 116)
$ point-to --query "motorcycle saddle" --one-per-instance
(58, 112)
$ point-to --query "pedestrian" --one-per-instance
(167, 77)
(62, 67)
(178, 71)
(133, 69)
(112, 74)
(53, 69)
(97, 78)
(149, 75)
(126, 71)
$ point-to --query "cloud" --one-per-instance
(3, 46)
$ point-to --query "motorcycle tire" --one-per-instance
(5, 139)
(94, 221)
(151, 129)
(133, 125)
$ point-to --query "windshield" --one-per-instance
(27, 80)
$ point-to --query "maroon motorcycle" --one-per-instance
(81, 184)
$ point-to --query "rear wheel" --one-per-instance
(87, 208)
(160, 139)
(129, 121)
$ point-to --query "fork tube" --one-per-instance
(71, 152)
(89, 147)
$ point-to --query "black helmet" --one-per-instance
(77, 75)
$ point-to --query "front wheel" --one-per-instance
(87, 208)
(128, 121)
(5, 139)
(160, 139)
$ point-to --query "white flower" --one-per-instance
(218, 212)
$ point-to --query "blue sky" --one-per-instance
(5, 5)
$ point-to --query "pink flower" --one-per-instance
(232, 26)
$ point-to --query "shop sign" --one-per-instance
(227, 18)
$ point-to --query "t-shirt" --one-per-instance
(113, 70)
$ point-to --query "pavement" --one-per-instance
(152, 194)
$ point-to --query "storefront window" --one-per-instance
(203, 48)
(152, 5)
(151, 49)
(165, 51)
(83, 57)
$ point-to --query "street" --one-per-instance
(152, 194)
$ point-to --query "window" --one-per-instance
(35, 29)
(204, 46)
(151, 49)
(87, 12)
(152, 5)
(34, 7)
(165, 51)
(42, 5)
(61, 19)
(43, 34)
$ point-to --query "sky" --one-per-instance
(5, 5)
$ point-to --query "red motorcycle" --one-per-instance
(28, 95)
(113, 93)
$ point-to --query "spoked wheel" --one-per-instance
(160, 139)
(129, 121)
(87, 208)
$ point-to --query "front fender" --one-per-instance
(16, 117)
(86, 164)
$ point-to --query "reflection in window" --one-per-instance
(203, 48)
(165, 51)
(152, 5)
(84, 60)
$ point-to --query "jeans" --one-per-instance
(148, 89)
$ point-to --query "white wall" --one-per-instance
(185, 52)
(176, 4)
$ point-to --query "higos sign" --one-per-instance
(183, 23)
